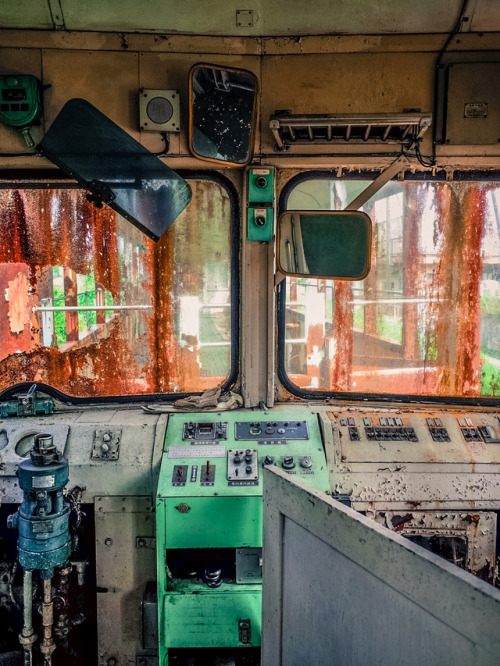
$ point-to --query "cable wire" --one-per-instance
(461, 19)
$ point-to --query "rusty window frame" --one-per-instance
(437, 176)
(51, 178)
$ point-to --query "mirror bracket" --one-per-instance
(278, 277)
(392, 170)
(99, 193)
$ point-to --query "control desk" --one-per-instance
(209, 519)
(430, 474)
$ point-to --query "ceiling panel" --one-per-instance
(268, 18)
(25, 14)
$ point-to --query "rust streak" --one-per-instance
(458, 276)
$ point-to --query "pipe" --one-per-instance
(47, 647)
(61, 629)
(27, 637)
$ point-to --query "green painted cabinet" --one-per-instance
(209, 520)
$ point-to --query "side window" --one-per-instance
(426, 319)
(93, 307)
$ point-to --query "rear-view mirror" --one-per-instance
(222, 112)
(330, 244)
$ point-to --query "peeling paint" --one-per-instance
(16, 295)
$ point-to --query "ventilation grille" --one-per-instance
(402, 128)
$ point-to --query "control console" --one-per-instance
(436, 459)
(209, 518)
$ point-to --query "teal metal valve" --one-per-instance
(42, 520)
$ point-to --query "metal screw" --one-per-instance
(108, 542)
(112, 661)
(141, 543)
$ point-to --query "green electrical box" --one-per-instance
(20, 103)
(261, 185)
(260, 224)
(209, 520)
(260, 218)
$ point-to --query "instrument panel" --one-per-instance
(413, 436)
(205, 452)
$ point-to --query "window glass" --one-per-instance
(93, 307)
(426, 320)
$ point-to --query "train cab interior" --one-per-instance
(249, 333)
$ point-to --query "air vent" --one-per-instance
(380, 128)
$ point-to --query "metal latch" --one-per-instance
(244, 631)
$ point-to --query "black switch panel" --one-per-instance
(389, 434)
(179, 475)
(207, 474)
(204, 432)
(439, 434)
(271, 430)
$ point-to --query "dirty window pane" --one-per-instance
(92, 307)
(426, 320)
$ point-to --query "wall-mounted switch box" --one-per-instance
(260, 218)
(20, 103)
(260, 185)
(260, 224)
(469, 98)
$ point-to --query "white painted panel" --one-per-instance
(339, 589)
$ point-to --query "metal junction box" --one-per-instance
(473, 104)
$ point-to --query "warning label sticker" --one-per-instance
(476, 110)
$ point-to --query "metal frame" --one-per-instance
(45, 179)
(471, 175)
(257, 300)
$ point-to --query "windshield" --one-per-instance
(426, 319)
(93, 307)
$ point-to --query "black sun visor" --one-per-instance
(114, 168)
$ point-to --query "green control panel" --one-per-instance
(260, 217)
(209, 519)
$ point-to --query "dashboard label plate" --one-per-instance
(197, 451)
